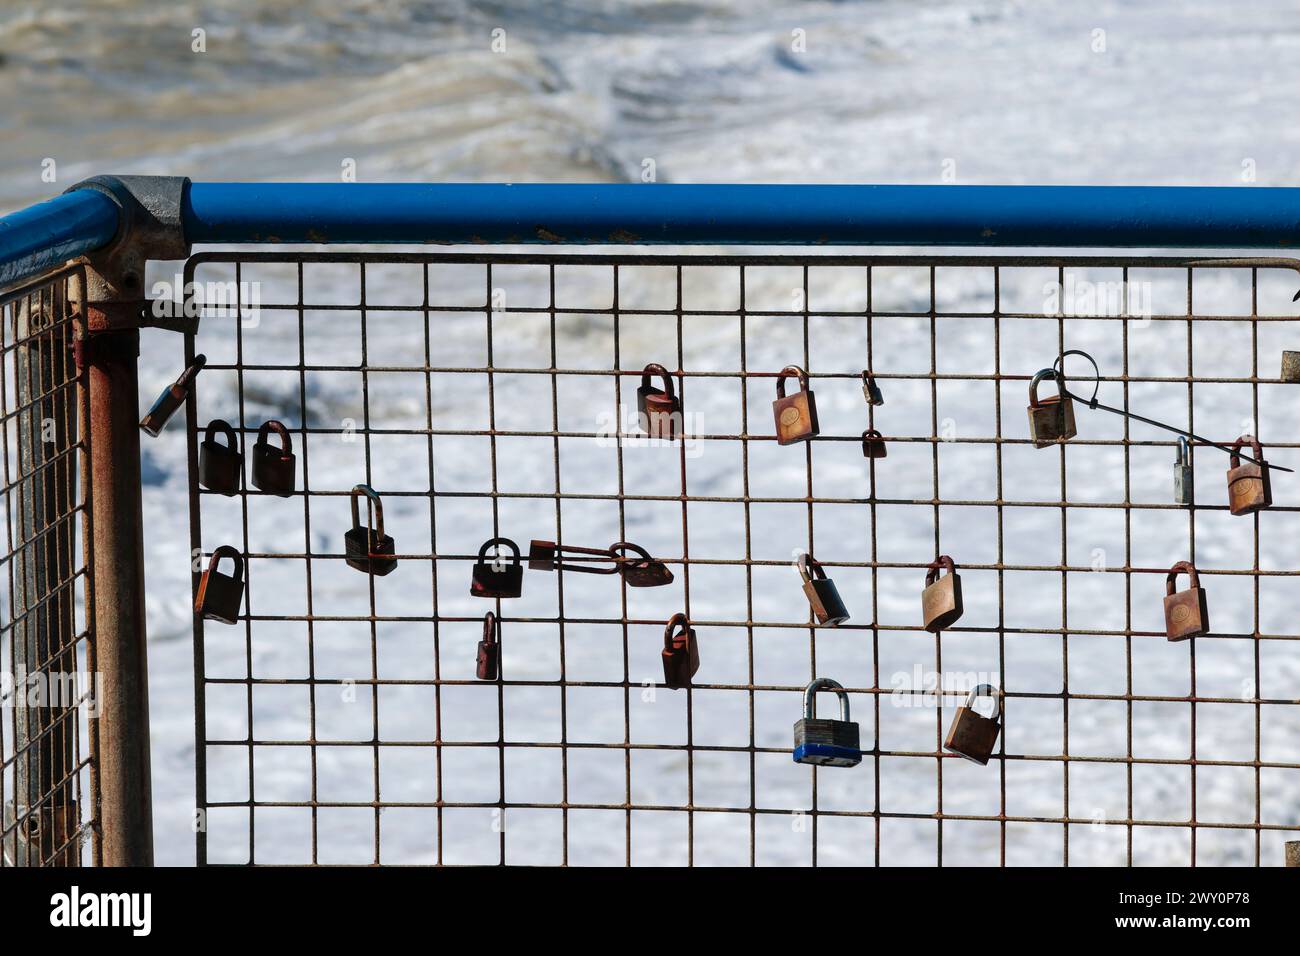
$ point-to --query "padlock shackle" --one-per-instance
(810, 697)
(678, 620)
(491, 628)
(227, 551)
(497, 543)
(809, 567)
(619, 546)
(1234, 458)
(220, 424)
(375, 504)
(1194, 580)
(286, 444)
(1059, 367)
(980, 690)
(932, 571)
(656, 369)
(1039, 376)
(1184, 451)
(785, 373)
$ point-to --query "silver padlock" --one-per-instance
(822, 741)
(1184, 489)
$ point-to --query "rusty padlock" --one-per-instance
(274, 468)
(1249, 486)
(642, 571)
(796, 416)
(220, 595)
(220, 465)
(369, 549)
(1049, 418)
(873, 444)
(1291, 366)
(941, 603)
(495, 579)
(1185, 612)
(660, 411)
(972, 735)
(489, 649)
(823, 596)
(1184, 477)
(870, 390)
(549, 556)
(822, 741)
(681, 653)
(171, 398)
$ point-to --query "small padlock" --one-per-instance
(660, 409)
(870, 390)
(873, 444)
(368, 549)
(941, 604)
(1184, 487)
(796, 416)
(1049, 418)
(824, 742)
(220, 595)
(489, 649)
(642, 571)
(681, 653)
(493, 579)
(821, 592)
(972, 735)
(220, 465)
(1185, 612)
(274, 468)
(1249, 487)
(172, 398)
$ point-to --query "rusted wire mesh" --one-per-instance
(340, 720)
(47, 648)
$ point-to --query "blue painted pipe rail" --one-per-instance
(670, 214)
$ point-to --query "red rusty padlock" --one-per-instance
(1185, 612)
(489, 649)
(642, 571)
(796, 416)
(972, 735)
(1050, 418)
(1249, 487)
(660, 411)
(681, 653)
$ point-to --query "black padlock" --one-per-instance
(873, 444)
(220, 595)
(369, 549)
(489, 649)
(220, 465)
(642, 571)
(823, 597)
(822, 741)
(681, 653)
(870, 390)
(274, 468)
(171, 398)
(493, 579)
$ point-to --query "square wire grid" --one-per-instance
(485, 395)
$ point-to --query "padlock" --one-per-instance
(220, 465)
(1185, 612)
(1184, 487)
(681, 653)
(873, 444)
(941, 604)
(494, 579)
(870, 390)
(489, 649)
(171, 398)
(274, 468)
(660, 410)
(642, 571)
(548, 556)
(1249, 487)
(1049, 418)
(368, 549)
(220, 595)
(796, 416)
(821, 592)
(972, 735)
(1291, 366)
(824, 742)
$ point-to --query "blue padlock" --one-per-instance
(825, 742)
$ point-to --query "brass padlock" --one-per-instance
(1184, 477)
(660, 411)
(642, 571)
(873, 444)
(489, 649)
(1049, 418)
(220, 595)
(220, 465)
(870, 390)
(171, 398)
(496, 579)
(681, 653)
(823, 597)
(274, 468)
(1249, 487)
(941, 603)
(972, 735)
(822, 741)
(1185, 612)
(369, 549)
(796, 416)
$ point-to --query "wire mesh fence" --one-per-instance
(47, 648)
(342, 718)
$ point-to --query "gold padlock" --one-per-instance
(796, 416)
(1050, 418)
(1249, 487)
(941, 603)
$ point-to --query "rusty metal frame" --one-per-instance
(1249, 819)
